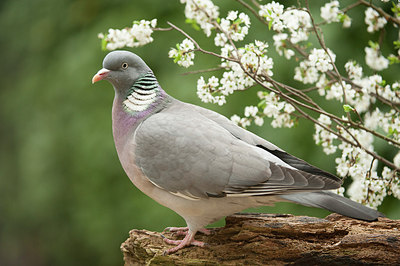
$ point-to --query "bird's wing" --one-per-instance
(255, 140)
(186, 153)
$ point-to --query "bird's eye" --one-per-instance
(124, 65)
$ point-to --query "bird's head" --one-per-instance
(121, 69)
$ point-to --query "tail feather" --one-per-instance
(334, 203)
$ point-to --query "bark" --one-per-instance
(273, 239)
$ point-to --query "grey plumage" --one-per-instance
(199, 163)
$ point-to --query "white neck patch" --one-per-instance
(144, 92)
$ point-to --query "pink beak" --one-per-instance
(100, 75)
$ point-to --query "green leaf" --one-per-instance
(396, 44)
(177, 58)
(262, 104)
(193, 23)
(373, 45)
(395, 9)
(270, 24)
(104, 44)
(393, 59)
(347, 108)
(341, 17)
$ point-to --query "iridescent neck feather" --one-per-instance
(143, 94)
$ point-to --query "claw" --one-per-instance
(187, 241)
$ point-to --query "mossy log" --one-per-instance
(274, 239)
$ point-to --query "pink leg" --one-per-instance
(187, 241)
(183, 230)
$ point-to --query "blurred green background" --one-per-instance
(64, 198)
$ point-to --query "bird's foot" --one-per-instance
(187, 241)
(182, 231)
(177, 230)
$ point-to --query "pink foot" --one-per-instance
(187, 241)
(177, 230)
(183, 230)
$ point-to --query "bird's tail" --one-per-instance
(334, 203)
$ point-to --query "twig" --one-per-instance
(202, 71)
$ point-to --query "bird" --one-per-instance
(199, 163)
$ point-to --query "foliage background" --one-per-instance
(64, 198)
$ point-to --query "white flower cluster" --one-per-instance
(317, 61)
(323, 137)
(281, 46)
(270, 106)
(354, 70)
(253, 58)
(359, 100)
(296, 21)
(236, 27)
(394, 179)
(276, 109)
(250, 113)
(367, 187)
(330, 12)
(139, 34)
(202, 12)
(183, 54)
(389, 122)
(374, 59)
(373, 20)
(375, 85)
(209, 92)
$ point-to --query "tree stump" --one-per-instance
(275, 239)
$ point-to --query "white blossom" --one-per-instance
(279, 111)
(317, 61)
(354, 70)
(183, 55)
(374, 59)
(235, 27)
(339, 191)
(323, 137)
(373, 20)
(201, 12)
(280, 45)
(250, 111)
(330, 12)
(138, 35)
(373, 119)
(258, 120)
(243, 122)
(298, 22)
(273, 12)
(207, 91)
(346, 21)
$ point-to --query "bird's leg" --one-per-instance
(187, 241)
(182, 231)
(177, 230)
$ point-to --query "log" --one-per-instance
(276, 239)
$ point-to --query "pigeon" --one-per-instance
(199, 163)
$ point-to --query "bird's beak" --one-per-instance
(100, 75)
